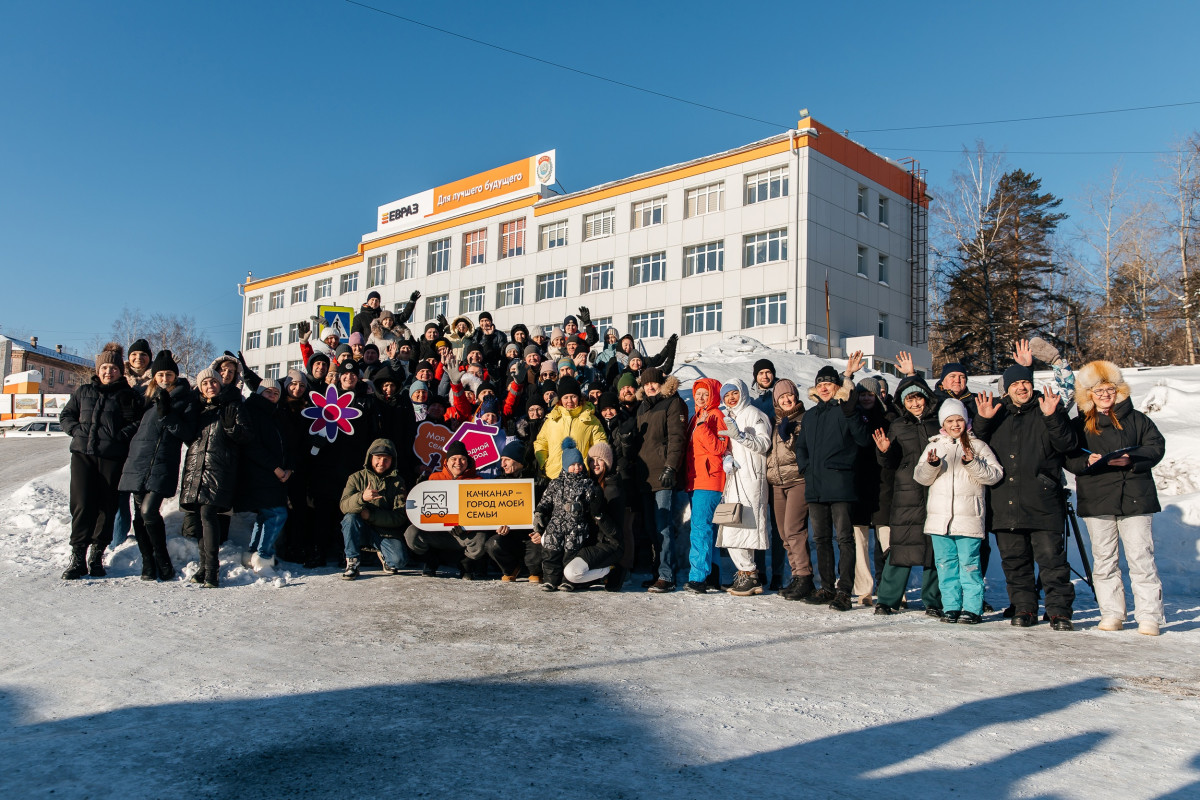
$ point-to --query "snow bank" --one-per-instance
(36, 530)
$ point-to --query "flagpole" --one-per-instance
(828, 341)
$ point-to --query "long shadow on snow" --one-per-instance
(487, 739)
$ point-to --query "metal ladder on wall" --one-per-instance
(918, 258)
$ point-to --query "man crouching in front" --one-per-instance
(373, 504)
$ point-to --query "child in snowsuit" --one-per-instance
(564, 515)
(957, 466)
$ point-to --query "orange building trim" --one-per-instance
(858, 158)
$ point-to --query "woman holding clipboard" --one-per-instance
(1116, 494)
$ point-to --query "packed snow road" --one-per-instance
(436, 687)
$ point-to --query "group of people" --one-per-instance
(616, 457)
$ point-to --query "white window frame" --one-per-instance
(275, 336)
(882, 265)
(406, 263)
(647, 325)
(323, 289)
(554, 234)
(377, 270)
(512, 238)
(599, 224)
(253, 340)
(510, 293)
(293, 333)
(767, 309)
(348, 283)
(862, 262)
(707, 199)
(439, 256)
(474, 247)
(297, 365)
(551, 285)
(275, 300)
(601, 323)
(701, 255)
(471, 301)
(862, 200)
(437, 304)
(765, 248)
(596, 278)
(767, 185)
(702, 318)
(647, 213)
(883, 210)
(271, 372)
(643, 269)
(300, 294)
(254, 304)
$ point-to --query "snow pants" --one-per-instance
(959, 578)
(1136, 536)
(1019, 549)
(703, 534)
(93, 500)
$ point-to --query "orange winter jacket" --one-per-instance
(705, 449)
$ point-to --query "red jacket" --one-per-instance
(705, 449)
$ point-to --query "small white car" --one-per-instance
(35, 427)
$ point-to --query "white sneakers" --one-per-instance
(1111, 625)
(1148, 628)
(1145, 628)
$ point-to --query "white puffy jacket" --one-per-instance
(956, 503)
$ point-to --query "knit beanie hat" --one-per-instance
(784, 386)
(327, 332)
(296, 376)
(627, 379)
(207, 372)
(342, 350)
(952, 408)
(602, 451)
(762, 364)
(373, 296)
(557, 332)
(651, 375)
(512, 349)
(1015, 373)
(565, 363)
(570, 453)
(356, 338)
(112, 353)
(163, 362)
(828, 374)
(140, 346)
(546, 386)
(915, 388)
(951, 367)
(547, 368)
(485, 315)
(514, 451)
(371, 346)
(426, 364)
(489, 406)
(348, 366)
(568, 319)
(417, 386)
(268, 383)
(608, 400)
(531, 349)
(315, 358)
(386, 315)
(568, 385)
(457, 449)
(432, 326)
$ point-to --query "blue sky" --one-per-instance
(153, 152)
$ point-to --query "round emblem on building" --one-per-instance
(545, 169)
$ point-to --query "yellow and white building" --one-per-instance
(760, 240)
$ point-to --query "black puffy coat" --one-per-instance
(154, 453)
(492, 344)
(335, 461)
(101, 419)
(662, 425)
(874, 493)
(623, 437)
(210, 469)
(1031, 448)
(363, 319)
(827, 449)
(263, 449)
(909, 546)
(1118, 491)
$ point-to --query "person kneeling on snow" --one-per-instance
(373, 504)
(562, 524)
(957, 467)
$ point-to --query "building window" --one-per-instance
(300, 294)
(862, 262)
(293, 333)
(597, 278)
(275, 300)
(324, 289)
(883, 326)
(548, 329)
(349, 283)
(552, 284)
(512, 238)
(770, 309)
(705, 199)
(254, 304)
(647, 269)
(883, 210)
(599, 224)
(272, 371)
(510, 293)
(883, 268)
(439, 256)
(554, 235)
(406, 264)
(475, 247)
(703, 258)
(767, 185)
(763, 248)
(437, 304)
(377, 270)
(295, 365)
(649, 212)
(274, 337)
(862, 200)
(647, 325)
(601, 323)
(470, 301)
(253, 339)
(699, 319)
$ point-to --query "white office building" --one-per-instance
(760, 240)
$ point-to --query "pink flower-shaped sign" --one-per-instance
(331, 412)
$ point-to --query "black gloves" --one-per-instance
(441, 318)
(229, 416)
(414, 297)
(673, 338)
(458, 530)
(303, 328)
(667, 479)
(585, 316)
(162, 401)
(785, 428)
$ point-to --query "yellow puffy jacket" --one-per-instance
(579, 423)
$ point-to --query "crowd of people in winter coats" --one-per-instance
(616, 457)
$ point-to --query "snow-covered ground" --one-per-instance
(310, 686)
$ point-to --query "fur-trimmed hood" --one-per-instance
(843, 394)
(667, 388)
(1093, 374)
(382, 333)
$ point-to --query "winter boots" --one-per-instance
(820, 597)
(800, 588)
(78, 566)
(263, 567)
(95, 562)
(841, 602)
(746, 584)
(351, 569)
